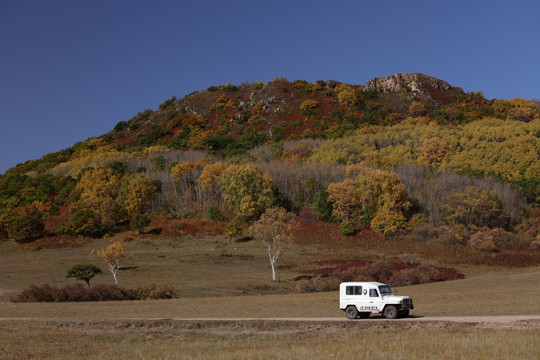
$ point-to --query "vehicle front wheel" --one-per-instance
(351, 312)
(390, 312)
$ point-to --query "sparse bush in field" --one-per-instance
(482, 241)
(450, 236)
(72, 293)
(347, 228)
(154, 292)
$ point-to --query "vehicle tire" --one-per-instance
(390, 312)
(404, 313)
(364, 315)
(351, 312)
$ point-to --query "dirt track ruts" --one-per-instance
(456, 319)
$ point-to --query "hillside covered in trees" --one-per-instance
(405, 155)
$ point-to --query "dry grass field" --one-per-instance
(220, 279)
(265, 340)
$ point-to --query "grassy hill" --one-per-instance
(466, 168)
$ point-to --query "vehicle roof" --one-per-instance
(361, 283)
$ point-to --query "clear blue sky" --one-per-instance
(70, 69)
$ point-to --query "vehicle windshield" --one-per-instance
(385, 290)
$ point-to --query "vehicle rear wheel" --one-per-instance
(351, 312)
(364, 315)
(390, 312)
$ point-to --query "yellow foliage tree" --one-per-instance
(247, 190)
(348, 202)
(138, 194)
(346, 95)
(371, 192)
(115, 255)
(433, 151)
(211, 175)
(98, 192)
(274, 228)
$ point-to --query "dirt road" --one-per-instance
(453, 319)
(457, 319)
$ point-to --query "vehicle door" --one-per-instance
(374, 299)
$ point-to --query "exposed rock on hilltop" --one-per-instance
(407, 82)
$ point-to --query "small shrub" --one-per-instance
(347, 228)
(308, 106)
(230, 88)
(72, 293)
(482, 241)
(213, 213)
(449, 236)
(379, 271)
(105, 292)
(388, 223)
(154, 291)
(535, 245)
(167, 103)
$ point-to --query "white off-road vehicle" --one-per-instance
(360, 299)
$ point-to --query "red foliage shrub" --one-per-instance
(393, 274)
(55, 242)
(72, 293)
(509, 259)
(423, 274)
(168, 227)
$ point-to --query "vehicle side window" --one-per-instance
(373, 293)
(353, 290)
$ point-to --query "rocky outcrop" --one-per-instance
(403, 82)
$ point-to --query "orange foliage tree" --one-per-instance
(115, 255)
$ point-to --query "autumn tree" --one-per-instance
(371, 192)
(473, 207)
(25, 223)
(247, 190)
(346, 95)
(210, 180)
(97, 191)
(136, 197)
(83, 272)
(433, 151)
(115, 255)
(274, 228)
(417, 109)
(347, 200)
